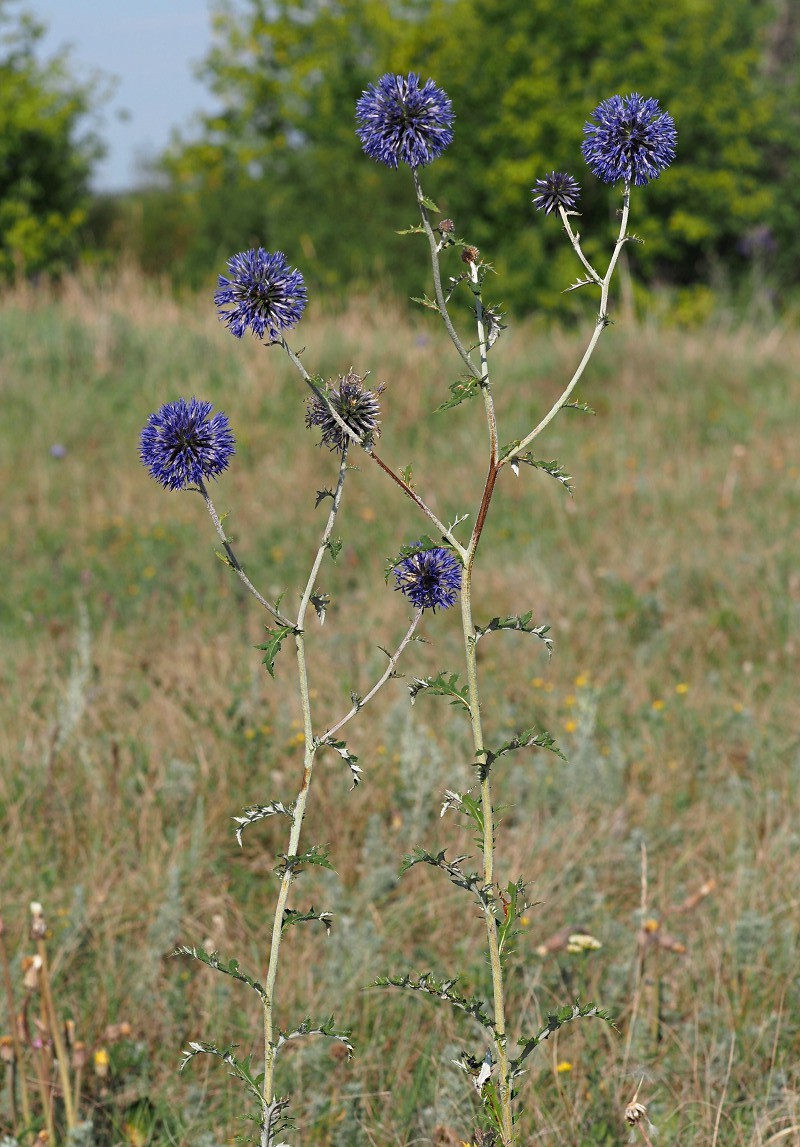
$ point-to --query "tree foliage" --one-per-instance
(279, 164)
(45, 163)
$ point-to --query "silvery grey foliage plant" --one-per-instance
(628, 142)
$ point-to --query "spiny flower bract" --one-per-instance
(354, 403)
(400, 120)
(631, 140)
(429, 578)
(181, 444)
(558, 189)
(263, 293)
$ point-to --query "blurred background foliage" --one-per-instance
(279, 164)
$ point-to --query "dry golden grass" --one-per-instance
(672, 585)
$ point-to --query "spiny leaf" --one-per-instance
(527, 739)
(341, 748)
(424, 301)
(460, 391)
(443, 990)
(587, 282)
(334, 546)
(555, 1020)
(416, 229)
(258, 812)
(521, 623)
(583, 406)
(291, 916)
(440, 686)
(212, 960)
(471, 881)
(272, 647)
(320, 601)
(426, 202)
(239, 1068)
(313, 855)
(322, 495)
(554, 469)
(327, 1029)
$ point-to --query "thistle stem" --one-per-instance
(270, 1042)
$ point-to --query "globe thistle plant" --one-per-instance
(181, 444)
(263, 293)
(400, 120)
(429, 578)
(357, 406)
(558, 189)
(631, 140)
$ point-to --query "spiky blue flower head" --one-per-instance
(429, 578)
(399, 120)
(631, 140)
(181, 444)
(558, 189)
(263, 293)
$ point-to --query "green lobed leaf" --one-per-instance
(314, 855)
(556, 1020)
(527, 739)
(440, 686)
(443, 990)
(306, 1028)
(239, 1068)
(272, 646)
(212, 960)
(341, 748)
(471, 881)
(521, 623)
(460, 391)
(334, 546)
(292, 916)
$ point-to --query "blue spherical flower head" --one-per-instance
(263, 293)
(631, 140)
(181, 444)
(399, 120)
(558, 189)
(429, 578)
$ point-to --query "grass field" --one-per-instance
(137, 720)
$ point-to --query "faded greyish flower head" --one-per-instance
(354, 403)
(181, 444)
(400, 120)
(558, 189)
(429, 578)
(631, 140)
(263, 293)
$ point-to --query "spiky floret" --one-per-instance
(400, 120)
(354, 403)
(631, 140)
(558, 189)
(429, 578)
(263, 293)
(181, 444)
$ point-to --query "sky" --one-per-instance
(150, 46)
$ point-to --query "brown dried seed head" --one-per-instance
(470, 255)
(635, 1113)
(6, 1049)
(446, 227)
(31, 969)
(38, 924)
(80, 1055)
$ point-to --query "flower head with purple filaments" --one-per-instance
(632, 140)
(429, 578)
(558, 189)
(356, 406)
(263, 293)
(181, 444)
(401, 121)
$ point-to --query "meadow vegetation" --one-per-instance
(136, 718)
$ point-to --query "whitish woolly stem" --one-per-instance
(270, 1042)
(233, 561)
(575, 240)
(370, 452)
(600, 325)
(441, 302)
(393, 659)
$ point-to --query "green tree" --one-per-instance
(45, 162)
(523, 79)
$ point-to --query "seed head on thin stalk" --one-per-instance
(357, 406)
